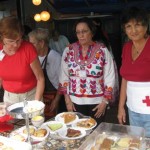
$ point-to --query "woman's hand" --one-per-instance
(121, 115)
(100, 109)
(55, 102)
(69, 104)
(54, 105)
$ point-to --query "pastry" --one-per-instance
(69, 117)
(31, 130)
(73, 133)
(40, 133)
(88, 123)
(134, 143)
(55, 126)
(135, 140)
(124, 142)
(106, 144)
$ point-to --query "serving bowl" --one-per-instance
(31, 109)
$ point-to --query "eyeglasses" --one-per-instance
(11, 42)
(82, 32)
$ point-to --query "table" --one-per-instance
(54, 142)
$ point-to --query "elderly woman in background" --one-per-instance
(135, 70)
(50, 61)
(20, 71)
(87, 73)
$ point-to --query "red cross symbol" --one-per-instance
(147, 100)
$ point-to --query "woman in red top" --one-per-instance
(20, 71)
(135, 70)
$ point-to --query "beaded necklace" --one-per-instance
(88, 54)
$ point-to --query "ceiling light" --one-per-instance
(36, 2)
(37, 17)
(45, 15)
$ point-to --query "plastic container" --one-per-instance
(115, 137)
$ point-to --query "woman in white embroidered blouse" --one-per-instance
(87, 73)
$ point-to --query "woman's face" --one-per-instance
(38, 44)
(11, 45)
(33, 40)
(84, 34)
(135, 30)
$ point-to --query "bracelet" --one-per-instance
(105, 101)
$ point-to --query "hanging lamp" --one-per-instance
(36, 2)
(37, 17)
(45, 15)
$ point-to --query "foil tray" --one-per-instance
(20, 110)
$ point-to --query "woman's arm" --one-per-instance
(122, 100)
(55, 101)
(37, 70)
(69, 103)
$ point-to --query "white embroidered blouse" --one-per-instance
(87, 82)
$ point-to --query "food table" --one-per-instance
(54, 142)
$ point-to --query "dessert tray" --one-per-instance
(26, 110)
(115, 137)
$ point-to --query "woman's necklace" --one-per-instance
(138, 51)
(88, 54)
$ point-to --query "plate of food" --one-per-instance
(36, 134)
(55, 126)
(67, 118)
(40, 134)
(23, 130)
(72, 133)
(18, 136)
(85, 123)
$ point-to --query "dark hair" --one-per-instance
(10, 27)
(100, 35)
(135, 13)
(89, 23)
